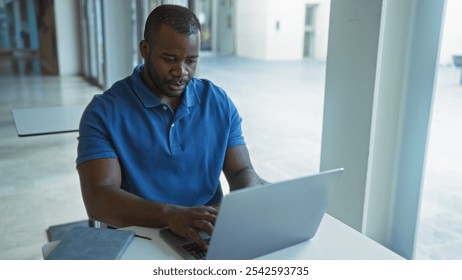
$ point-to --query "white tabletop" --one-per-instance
(333, 241)
(47, 120)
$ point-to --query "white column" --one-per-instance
(411, 40)
(354, 30)
(118, 39)
(67, 36)
(377, 110)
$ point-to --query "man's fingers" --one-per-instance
(202, 225)
(195, 236)
(203, 218)
(191, 221)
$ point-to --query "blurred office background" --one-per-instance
(269, 55)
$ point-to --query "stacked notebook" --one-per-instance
(85, 243)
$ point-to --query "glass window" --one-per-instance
(440, 231)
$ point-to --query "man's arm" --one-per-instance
(238, 169)
(105, 201)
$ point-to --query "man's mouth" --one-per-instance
(177, 82)
(177, 85)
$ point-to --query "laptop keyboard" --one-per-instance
(195, 250)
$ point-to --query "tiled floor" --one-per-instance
(281, 104)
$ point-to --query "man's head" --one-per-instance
(181, 19)
(170, 50)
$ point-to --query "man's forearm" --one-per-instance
(119, 208)
(245, 178)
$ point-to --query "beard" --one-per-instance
(165, 87)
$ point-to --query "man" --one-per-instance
(152, 147)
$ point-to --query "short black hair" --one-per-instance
(180, 18)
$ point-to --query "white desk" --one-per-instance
(333, 241)
(47, 120)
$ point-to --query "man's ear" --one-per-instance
(144, 49)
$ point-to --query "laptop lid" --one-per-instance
(259, 220)
(256, 221)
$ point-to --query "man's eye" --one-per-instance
(191, 62)
(169, 60)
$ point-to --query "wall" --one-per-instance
(270, 30)
(285, 30)
(250, 25)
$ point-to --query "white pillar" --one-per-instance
(379, 92)
(354, 30)
(118, 38)
(412, 68)
(67, 36)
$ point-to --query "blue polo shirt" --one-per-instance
(174, 157)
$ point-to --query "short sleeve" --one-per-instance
(235, 136)
(93, 140)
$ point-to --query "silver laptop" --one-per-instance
(259, 220)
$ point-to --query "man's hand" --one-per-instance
(189, 221)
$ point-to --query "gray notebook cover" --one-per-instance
(84, 243)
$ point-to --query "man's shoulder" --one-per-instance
(116, 93)
(207, 89)
(108, 102)
(118, 87)
(202, 82)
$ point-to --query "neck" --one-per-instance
(170, 101)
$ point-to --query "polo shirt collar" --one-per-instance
(150, 100)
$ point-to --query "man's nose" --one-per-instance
(179, 70)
